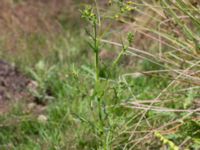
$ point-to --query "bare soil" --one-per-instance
(13, 86)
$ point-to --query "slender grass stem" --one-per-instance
(96, 50)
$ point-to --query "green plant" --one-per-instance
(172, 146)
(41, 88)
(169, 32)
(106, 126)
(94, 44)
(113, 106)
(89, 15)
(130, 38)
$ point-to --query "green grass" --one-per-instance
(90, 105)
(72, 114)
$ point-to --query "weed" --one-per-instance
(149, 105)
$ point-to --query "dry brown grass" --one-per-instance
(32, 16)
(29, 26)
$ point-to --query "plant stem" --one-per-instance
(117, 59)
(119, 56)
(96, 46)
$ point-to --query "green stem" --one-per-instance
(97, 66)
(96, 46)
(119, 56)
(117, 59)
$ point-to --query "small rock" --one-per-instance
(31, 106)
(42, 119)
(32, 86)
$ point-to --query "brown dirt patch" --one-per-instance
(13, 86)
